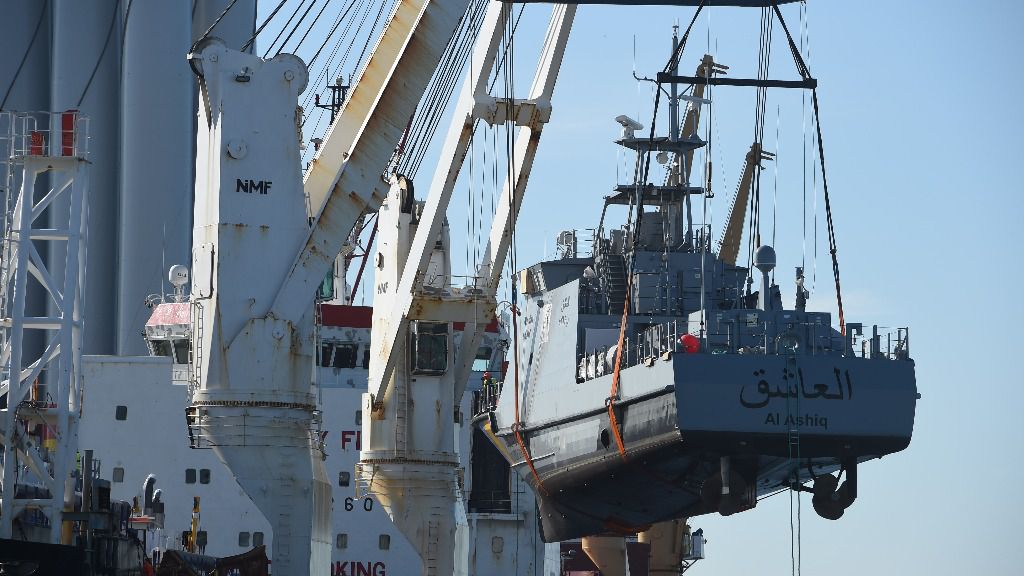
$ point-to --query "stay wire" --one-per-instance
(832, 246)
(266, 21)
(325, 68)
(370, 36)
(310, 27)
(24, 57)
(295, 28)
(337, 22)
(208, 30)
(106, 44)
(441, 86)
(283, 28)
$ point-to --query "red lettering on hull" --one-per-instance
(353, 568)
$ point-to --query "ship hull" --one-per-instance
(679, 415)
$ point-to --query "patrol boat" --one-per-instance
(651, 382)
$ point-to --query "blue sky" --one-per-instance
(922, 128)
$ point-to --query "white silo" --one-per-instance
(25, 87)
(157, 139)
(25, 67)
(235, 28)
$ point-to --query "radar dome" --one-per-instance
(178, 275)
(764, 258)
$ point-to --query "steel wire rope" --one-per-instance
(325, 68)
(106, 44)
(775, 188)
(344, 59)
(370, 36)
(295, 28)
(764, 64)
(427, 123)
(212, 26)
(283, 28)
(348, 50)
(334, 27)
(24, 57)
(832, 244)
(442, 86)
(309, 29)
(321, 113)
(266, 21)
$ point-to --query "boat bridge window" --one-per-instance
(190, 476)
(243, 539)
(430, 348)
(344, 479)
(204, 476)
(118, 474)
(257, 539)
(121, 413)
(384, 542)
(341, 541)
(160, 347)
(182, 348)
(339, 355)
(359, 417)
(177, 350)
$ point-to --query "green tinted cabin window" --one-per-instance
(430, 348)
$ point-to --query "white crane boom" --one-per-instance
(257, 261)
(473, 307)
(344, 179)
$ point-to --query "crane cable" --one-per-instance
(644, 166)
(832, 248)
(509, 82)
(266, 21)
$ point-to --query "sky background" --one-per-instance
(922, 135)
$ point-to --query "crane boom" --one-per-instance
(476, 307)
(729, 248)
(257, 260)
(344, 179)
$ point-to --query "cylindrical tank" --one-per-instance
(234, 29)
(666, 540)
(85, 76)
(155, 216)
(25, 28)
(608, 553)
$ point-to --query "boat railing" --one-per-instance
(54, 134)
(486, 398)
(763, 337)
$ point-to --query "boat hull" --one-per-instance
(776, 418)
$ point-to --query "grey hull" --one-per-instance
(777, 418)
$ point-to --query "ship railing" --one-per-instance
(206, 430)
(486, 398)
(54, 134)
(765, 338)
(884, 342)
